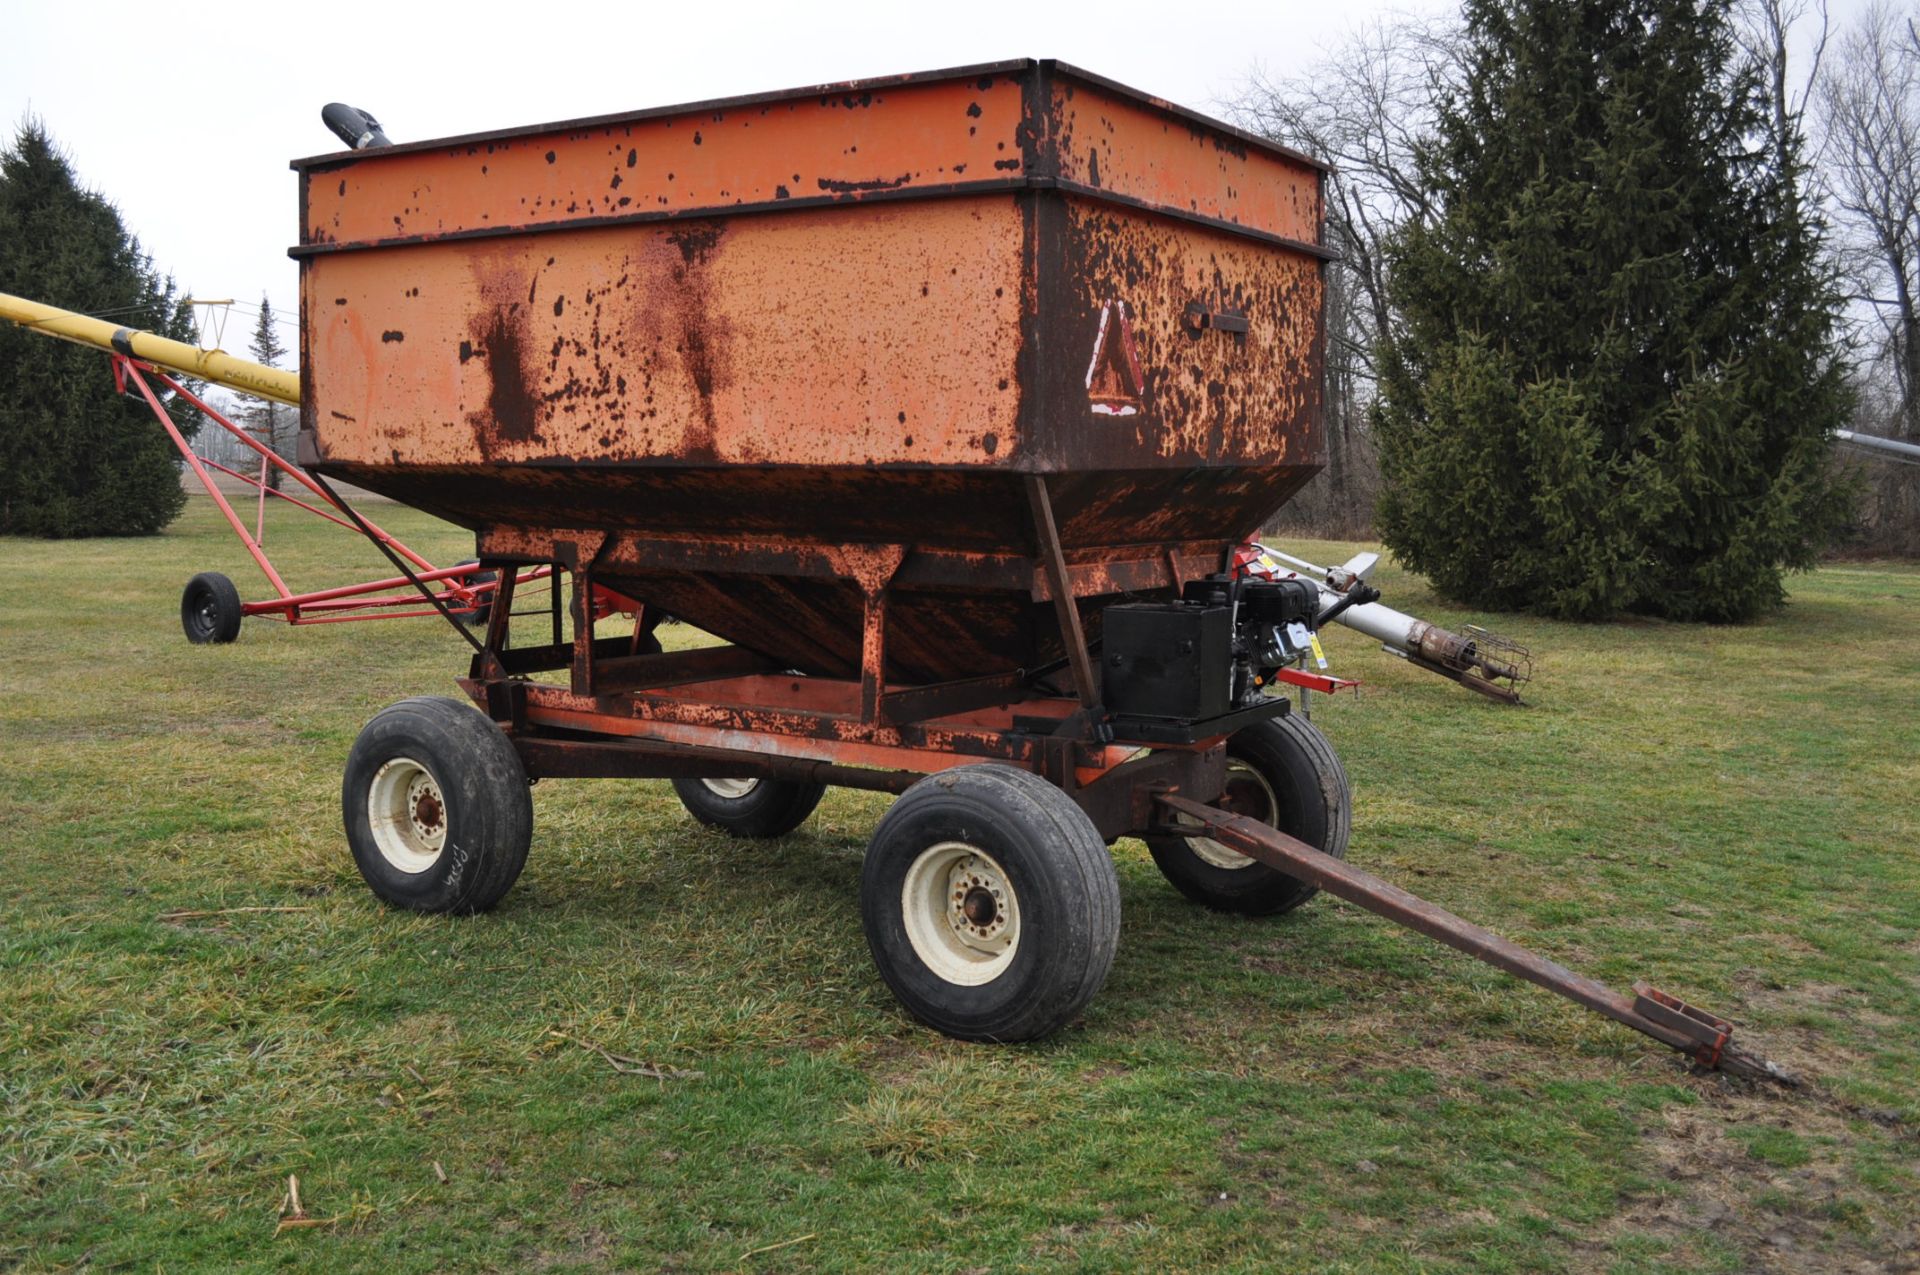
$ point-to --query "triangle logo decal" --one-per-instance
(1113, 374)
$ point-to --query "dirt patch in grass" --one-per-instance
(1762, 1175)
(1792, 1037)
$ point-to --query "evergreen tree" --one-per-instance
(75, 458)
(271, 421)
(1614, 384)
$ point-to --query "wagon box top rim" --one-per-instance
(337, 159)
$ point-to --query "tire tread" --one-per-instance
(1074, 849)
(495, 802)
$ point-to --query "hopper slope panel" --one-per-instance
(875, 336)
(982, 511)
(977, 511)
(933, 635)
(1100, 510)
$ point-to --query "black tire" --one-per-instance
(1036, 876)
(1286, 766)
(756, 808)
(458, 813)
(210, 609)
(481, 614)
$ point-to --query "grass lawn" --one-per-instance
(198, 998)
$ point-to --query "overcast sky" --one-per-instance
(186, 117)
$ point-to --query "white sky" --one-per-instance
(186, 118)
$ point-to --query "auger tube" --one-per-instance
(216, 366)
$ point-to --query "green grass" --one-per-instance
(1729, 812)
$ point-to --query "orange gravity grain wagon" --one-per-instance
(942, 400)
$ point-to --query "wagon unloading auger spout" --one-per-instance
(1492, 665)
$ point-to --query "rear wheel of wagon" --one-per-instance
(1284, 773)
(437, 807)
(482, 611)
(756, 808)
(210, 609)
(990, 904)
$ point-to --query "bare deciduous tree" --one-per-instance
(1363, 108)
(1868, 104)
(1767, 29)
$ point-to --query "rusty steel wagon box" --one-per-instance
(862, 315)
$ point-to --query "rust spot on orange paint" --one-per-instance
(839, 187)
(695, 242)
(510, 407)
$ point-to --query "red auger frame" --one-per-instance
(465, 590)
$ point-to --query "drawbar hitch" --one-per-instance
(1674, 1023)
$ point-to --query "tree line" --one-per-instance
(77, 458)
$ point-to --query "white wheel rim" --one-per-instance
(962, 916)
(731, 789)
(1246, 787)
(408, 815)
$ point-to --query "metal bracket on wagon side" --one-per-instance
(1695, 1033)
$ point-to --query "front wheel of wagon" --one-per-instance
(437, 807)
(990, 904)
(1284, 773)
(756, 808)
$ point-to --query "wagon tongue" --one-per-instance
(1669, 1020)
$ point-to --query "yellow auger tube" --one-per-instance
(216, 366)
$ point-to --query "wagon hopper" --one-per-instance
(853, 316)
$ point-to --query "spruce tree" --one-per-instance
(270, 420)
(76, 459)
(1614, 383)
